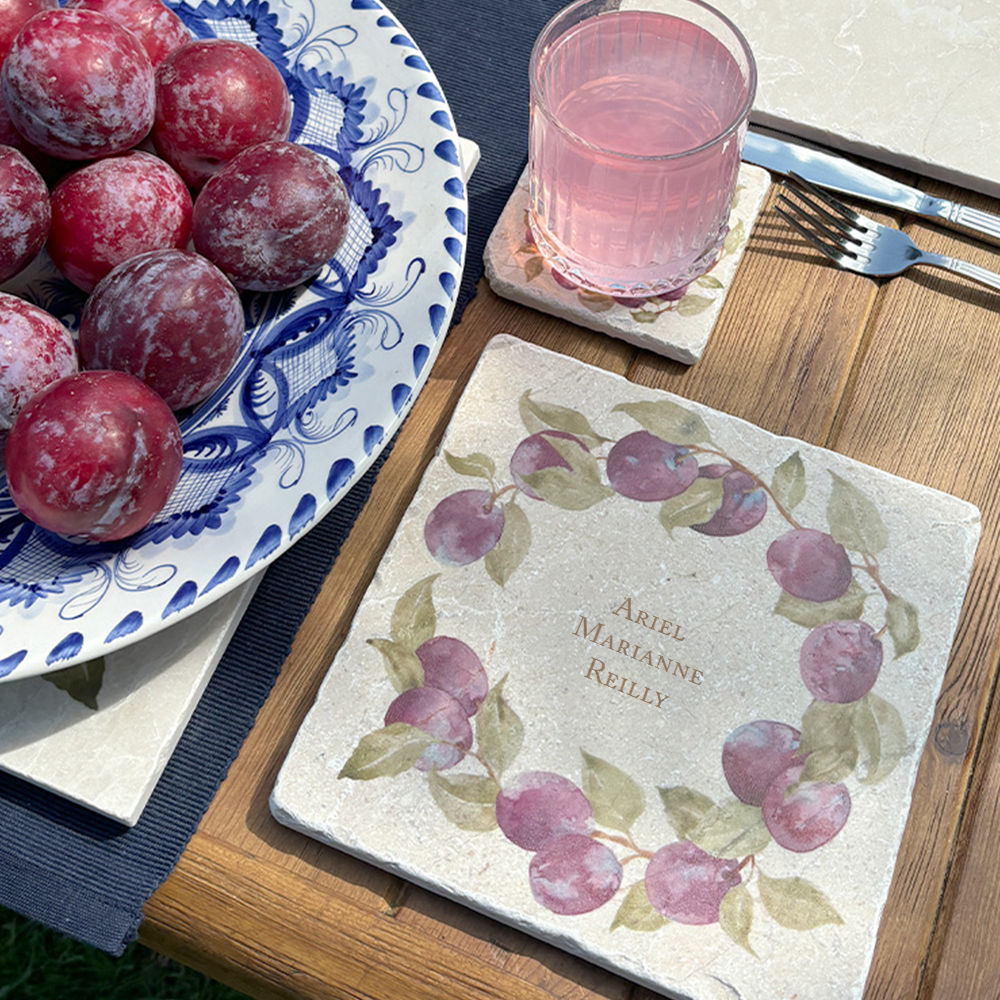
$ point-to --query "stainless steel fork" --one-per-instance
(857, 243)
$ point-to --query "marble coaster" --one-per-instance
(677, 327)
(101, 735)
(644, 680)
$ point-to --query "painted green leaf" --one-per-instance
(401, 664)
(562, 418)
(499, 729)
(595, 302)
(810, 614)
(881, 736)
(667, 420)
(636, 912)
(616, 799)
(685, 808)
(789, 483)
(854, 520)
(731, 830)
(645, 315)
(795, 903)
(695, 505)
(81, 682)
(830, 740)
(709, 281)
(576, 488)
(734, 237)
(904, 625)
(693, 305)
(467, 800)
(533, 267)
(386, 752)
(509, 552)
(413, 619)
(736, 916)
(532, 422)
(476, 464)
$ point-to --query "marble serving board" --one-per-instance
(905, 82)
(660, 713)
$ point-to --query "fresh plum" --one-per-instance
(78, 85)
(35, 349)
(94, 455)
(169, 317)
(25, 212)
(159, 29)
(112, 210)
(272, 217)
(14, 14)
(214, 98)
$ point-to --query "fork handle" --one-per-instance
(973, 271)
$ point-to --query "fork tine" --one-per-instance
(821, 213)
(814, 225)
(838, 207)
(834, 252)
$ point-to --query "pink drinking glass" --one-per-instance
(639, 109)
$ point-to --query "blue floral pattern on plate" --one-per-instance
(327, 371)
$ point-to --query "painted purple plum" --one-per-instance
(686, 884)
(535, 453)
(755, 754)
(644, 467)
(809, 564)
(840, 661)
(804, 815)
(538, 806)
(574, 874)
(453, 667)
(463, 527)
(743, 503)
(436, 713)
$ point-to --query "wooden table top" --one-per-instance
(903, 375)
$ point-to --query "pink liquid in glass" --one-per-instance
(636, 131)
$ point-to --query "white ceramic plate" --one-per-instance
(327, 371)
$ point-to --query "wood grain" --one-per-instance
(899, 374)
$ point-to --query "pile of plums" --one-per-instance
(162, 239)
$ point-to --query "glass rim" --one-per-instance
(540, 103)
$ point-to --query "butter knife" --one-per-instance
(827, 170)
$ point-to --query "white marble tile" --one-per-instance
(676, 327)
(907, 82)
(110, 758)
(640, 786)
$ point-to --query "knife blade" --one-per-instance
(827, 170)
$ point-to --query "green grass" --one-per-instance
(39, 964)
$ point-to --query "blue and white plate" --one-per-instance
(327, 371)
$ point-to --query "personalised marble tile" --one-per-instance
(677, 325)
(101, 734)
(644, 680)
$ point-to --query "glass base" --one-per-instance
(665, 286)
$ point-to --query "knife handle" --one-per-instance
(972, 218)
